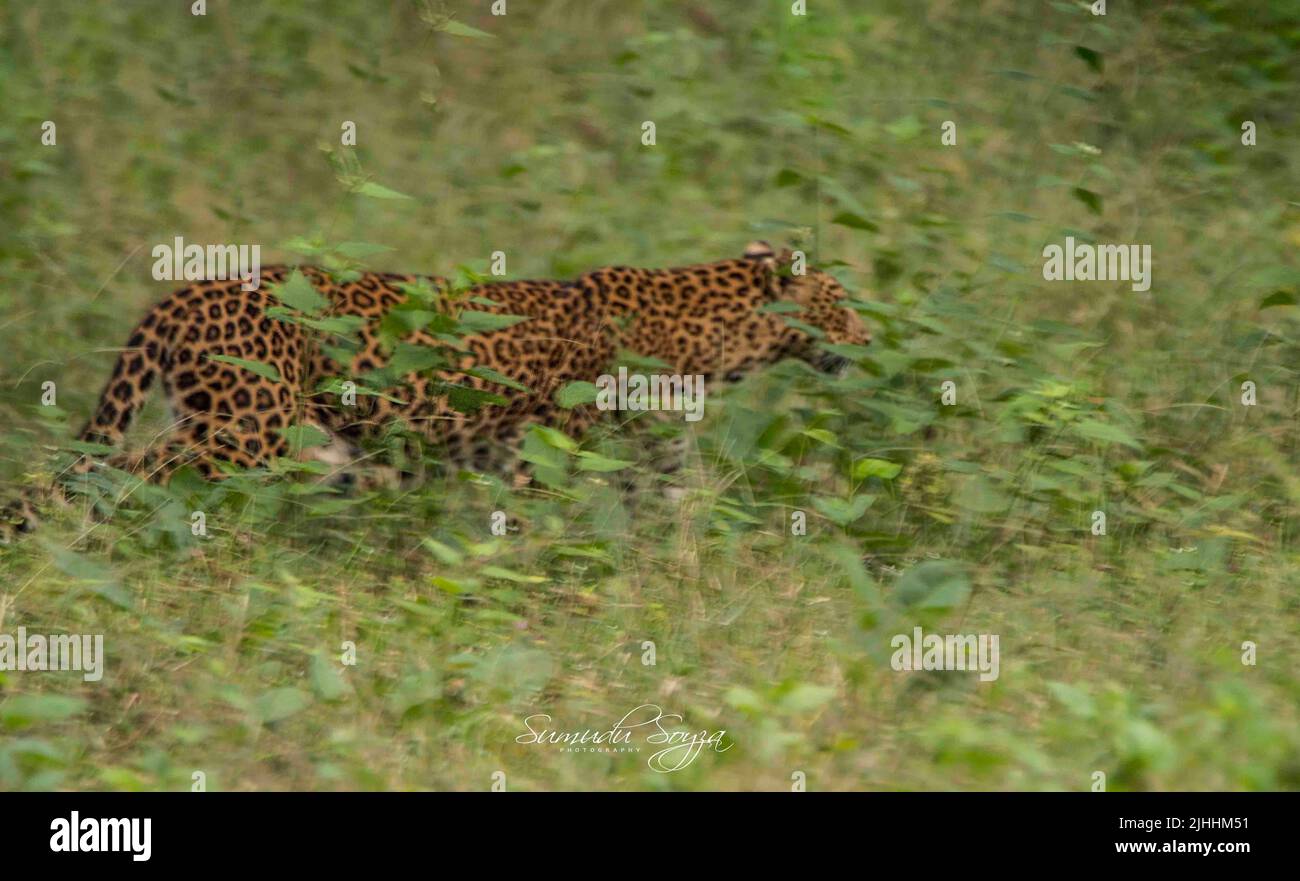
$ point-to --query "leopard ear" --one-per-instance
(766, 253)
(762, 253)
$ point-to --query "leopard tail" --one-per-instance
(138, 366)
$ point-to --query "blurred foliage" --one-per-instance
(522, 133)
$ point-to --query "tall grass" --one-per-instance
(1120, 653)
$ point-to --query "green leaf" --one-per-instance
(344, 326)
(780, 307)
(1075, 699)
(805, 698)
(514, 671)
(1105, 433)
(744, 699)
(377, 191)
(814, 332)
(510, 575)
(463, 30)
(1278, 298)
(406, 317)
(487, 373)
(854, 221)
(979, 496)
(554, 438)
(863, 585)
(268, 371)
(325, 679)
(843, 512)
(1091, 57)
(446, 554)
(474, 321)
(334, 385)
(123, 780)
(413, 358)
(99, 578)
(280, 703)
(88, 449)
(823, 436)
(300, 245)
(548, 463)
(933, 584)
(302, 437)
(421, 292)
(634, 362)
(35, 750)
(905, 128)
(882, 468)
(846, 350)
(464, 399)
(298, 293)
(27, 709)
(589, 461)
(1089, 198)
(413, 692)
(575, 394)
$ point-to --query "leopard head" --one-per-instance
(823, 304)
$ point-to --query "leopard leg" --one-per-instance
(20, 515)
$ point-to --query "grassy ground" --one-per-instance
(1120, 653)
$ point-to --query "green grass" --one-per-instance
(1119, 653)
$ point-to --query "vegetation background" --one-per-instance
(1120, 653)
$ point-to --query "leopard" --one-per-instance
(708, 320)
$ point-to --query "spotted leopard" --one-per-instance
(704, 320)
